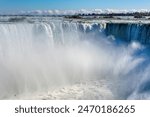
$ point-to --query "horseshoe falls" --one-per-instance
(56, 58)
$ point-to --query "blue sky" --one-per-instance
(15, 5)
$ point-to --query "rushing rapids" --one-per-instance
(59, 59)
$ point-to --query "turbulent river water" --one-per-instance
(60, 59)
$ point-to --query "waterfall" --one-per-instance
(129, 32)
(60, 59)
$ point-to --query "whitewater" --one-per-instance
(55, 58)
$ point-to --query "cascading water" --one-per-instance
(59, 59)
(130, 32)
